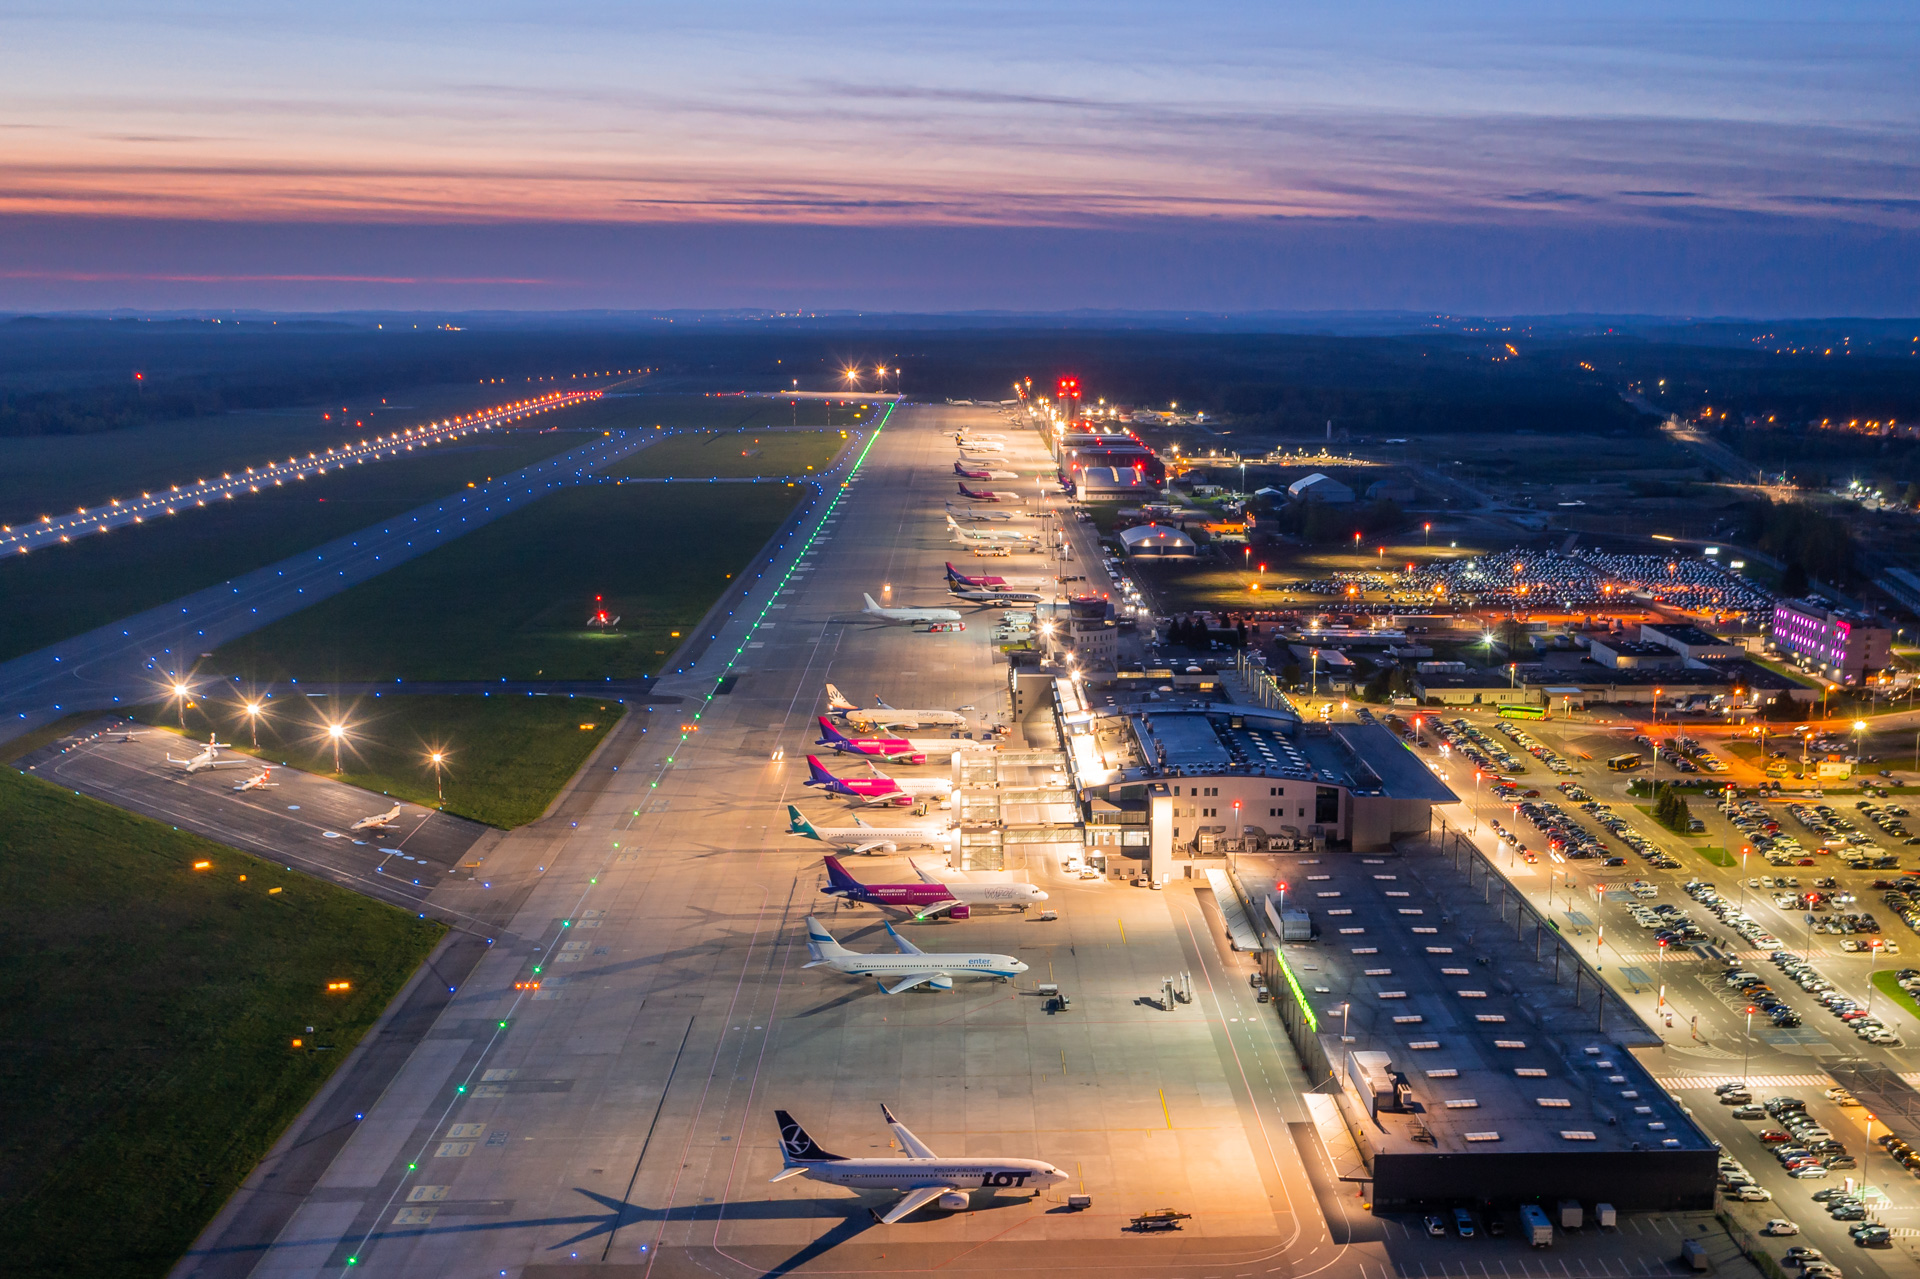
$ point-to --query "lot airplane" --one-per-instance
(881, 715)
(911, 966)
(930, 896)
(925, 1176)
(862, 838)
(908, 614)
(209, 757)
(991, 495)
(258, 781)
(379, 821)
(879, 788)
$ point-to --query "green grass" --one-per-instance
(1887, 984)
(148, 1012)
(507, 757)
(511, 600)
(732, 454)
(62, 591)
(1718, 856)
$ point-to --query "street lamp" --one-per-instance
(1859, 730)
(338, 733)
(254, 710)
(1747, 1056)
(437, 759)
(180, 694)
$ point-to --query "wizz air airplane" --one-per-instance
(879, 788)
(881, 715)
(862, 838)
(258, 781)
(895, 750)
(209, 757)
(910, 967)
(991, 495)
(984, 582)
(988, 534)
(379, 821)
(976, 472)
(929, 896)
(923, 1175)
(908, 614)
(995, 599)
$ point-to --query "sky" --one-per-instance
(1708, 158)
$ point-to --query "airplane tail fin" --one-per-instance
(839, 877)
(798, 825)
(796, 1147)
(834, 737)
(836, 700)
(819, 774)
(881, 704)
(871, 606)
(820, 943)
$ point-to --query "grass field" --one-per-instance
(148, 1014)
(65, 590)
(734, 454)
(511, 600)
(1887, 983)
(507, 757)
(1718, 856)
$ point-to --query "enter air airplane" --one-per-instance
(923, 1175)
(910, 967)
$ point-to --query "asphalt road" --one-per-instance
(620, 1114)
(137, 659)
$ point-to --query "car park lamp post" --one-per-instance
(1747, 1056)
(1859, 733)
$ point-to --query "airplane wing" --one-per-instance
(939, 981)
(908, 1142)
(869, 846)
(906, 947)
(928, 912)
(916, 1199)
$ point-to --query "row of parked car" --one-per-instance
(1603, 815)
(1730, 914)
(1754, 990)
(1533, 746)
(1763, 831)
(1485, 753)
(1864, 1025)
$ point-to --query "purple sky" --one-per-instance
(1709, 158)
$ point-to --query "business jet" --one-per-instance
(929, 896)
(961, 534)
(923, 1175)
(908, 614)
(862, 838)
(908, 968)
(209, 757)
(992, 495)
(379, 821)
(258, 781)
(881, 715)
(879, 788)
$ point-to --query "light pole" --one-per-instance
(253, 722)
(1747, 1056)
(1744, 851)
(180, 693)
(437, 759)
(1859, 732)
(337, 732)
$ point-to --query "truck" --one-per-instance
(1571, 1217)
(1535, 1226)
(1604, 1216)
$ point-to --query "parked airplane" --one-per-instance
(991, 495)
(862, 838)
(908, 614)
(930, 896)
(988, 534)
(379, 821)
(977, 515)
(912, 966)
(881, 715)
(925, 1176)
(258, 781)
(995, 599)
(209, 757)
(964, 434)
(982, 472)
(895, 750)
(983, 582)
(879, 788)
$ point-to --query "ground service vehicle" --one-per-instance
(1624, 763)
(1536, 1227)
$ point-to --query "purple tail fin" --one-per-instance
(834, 737)
(821, 777)
(838, 877)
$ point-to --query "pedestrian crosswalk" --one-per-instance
(1674, 1083)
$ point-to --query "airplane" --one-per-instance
(885, 716)
(912, 966)
(878, 789)
(982, 446)
(988, 534)
(379, 821)
(991, 495)
(925, 1176)
(862, 838)
(209, 757)
(976, 515)
(258, 781)
(982, 473)
(986, 583)
(964, 434)
(908, 614)
(930, 896)
(995, 599)
(895, 750)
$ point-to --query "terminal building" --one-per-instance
(1839, 644)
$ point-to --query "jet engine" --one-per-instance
(962, 911)
(953, 1201)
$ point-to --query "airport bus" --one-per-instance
(1624, 763)
(1523, 712)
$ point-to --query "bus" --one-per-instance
(1523, 712)
(1624, 763)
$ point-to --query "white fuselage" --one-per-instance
(878, 837)
(874, 717)
(955, 965)
(946, 745)
(994, 894)
(962, 1174)
(914, 614)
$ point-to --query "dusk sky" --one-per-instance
(1751, 158)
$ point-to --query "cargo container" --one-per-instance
(1535, 1226)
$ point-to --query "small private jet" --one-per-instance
(379, 821)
